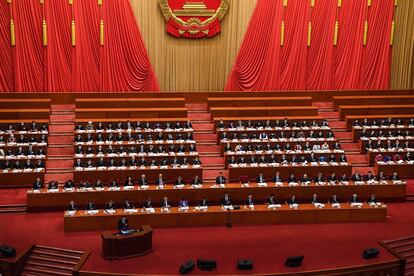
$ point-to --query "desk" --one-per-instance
(114, 113)
(126, 246)
(356, 131)
(169, 174)
(216, 216)
(129, 102)
(404, 170)
(263, 111)
(59, 200)
(258, 101)
(285, 171)
(346, 110)
(19, 179)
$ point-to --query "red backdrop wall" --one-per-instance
(263, 63)
(120, 64)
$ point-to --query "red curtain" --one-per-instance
(376, 59)
(296, 18)
(263, 71)
(321, 65)
(125, 63)
(320, 59)
(348, 55)
(29, 62)
(120, 64)
(59, 48)
(6, 58)
(86, 60)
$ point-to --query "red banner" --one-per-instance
(195, 18)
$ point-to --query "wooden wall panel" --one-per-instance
(402, 68)
(192, 64)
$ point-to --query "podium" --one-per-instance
(115, 246)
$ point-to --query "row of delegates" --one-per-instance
(128, 125)
(286, 159)
(388, 145)
(131, 137)
(140, 149)
(38, 184)
(130, 182)
(272, 124)
(133, 162)
(386, 158)
(382, 122)
(372, 177)
(332, 178)
(224, 136)
(24, 127)
(284, 147)
(365, 133)
(27, 164)
(24, 139)
(272, 200)
(23, 152)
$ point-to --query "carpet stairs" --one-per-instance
(13, 209)
(206, 139)
(45, 260)
(59, 163)
(404, 247)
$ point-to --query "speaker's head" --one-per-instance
(294, 261)
(370, 253)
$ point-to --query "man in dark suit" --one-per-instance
(315, 199)
(72, 206)
(226, 201)
(110, 205)
(354, 199)
(277, 178)
(196, 181)
(356, 176)
(37, 185)
(334, 199)
(128, 204)
(90, 206)
(271, 200)
(372, 199)
(249, 200)
(261, 178)
(160, 181)
(164, 203)
(292, 200)
(220, 179)
(203, 203)
(123, 225)
(143, 180)
(147, 203)
(129, 182)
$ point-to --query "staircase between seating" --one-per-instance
(404, 247)
(45, 261)
(59, 163)
(206, 140)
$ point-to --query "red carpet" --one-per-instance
(324, 245)
(13, 196)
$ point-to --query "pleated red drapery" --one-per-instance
(321, 65)
(66, 54)
(6, 57)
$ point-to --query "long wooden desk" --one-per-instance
(346, 110)
(264, 111)
(19, 179)
(129, 102)
(350, 119)
(92, 113)
(258, 101)
(126, 246)
(105, 121)
(23, 103)
(169, 174)
(25, 114)
(44, 200)
(404, 170)
(273, 143)
(285, 171)
(376, 100)
(216, 216)
(363, 142)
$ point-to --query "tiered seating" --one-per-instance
(268, 145)
(23, 147)
(129, 102)
(114, 150)
(389, 143)
(258, 101)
